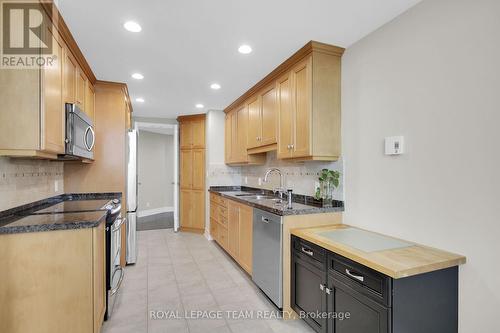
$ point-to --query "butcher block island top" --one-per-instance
(388, 255)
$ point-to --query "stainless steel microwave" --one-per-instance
(80, 135)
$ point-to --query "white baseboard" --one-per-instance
(154, 211)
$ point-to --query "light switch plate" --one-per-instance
(394, 145)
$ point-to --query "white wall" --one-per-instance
(155, 170)
(432, 75)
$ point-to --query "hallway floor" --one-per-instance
(177, 273)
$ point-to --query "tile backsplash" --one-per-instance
(299, 176)
(23, 181)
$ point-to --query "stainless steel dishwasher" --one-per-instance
(267, 267)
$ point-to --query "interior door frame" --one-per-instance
(171, 129)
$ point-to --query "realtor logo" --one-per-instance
(25, 29)
(26, 39)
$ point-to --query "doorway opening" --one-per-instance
(157, 190)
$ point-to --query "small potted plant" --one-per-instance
(328, 181)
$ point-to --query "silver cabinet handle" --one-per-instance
(288, 147)
(265, 219)
(291, 146)
(119, 269)
(307, 251)
(355, 276)
(328, 291)
(322, 287)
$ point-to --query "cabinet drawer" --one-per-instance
(365, 280)
(218, 199)
(222, 233)
(223, 220)
(308, 249)
(222, 212)
(213, 228)
(214, 211)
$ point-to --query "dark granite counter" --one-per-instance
(301, 204)
(62, 212)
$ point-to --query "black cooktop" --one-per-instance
(74, 206)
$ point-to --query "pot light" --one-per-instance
(199, 106)
(140, 100)
(215, 86)
(138, 76)
(132, 26)
(245, 49)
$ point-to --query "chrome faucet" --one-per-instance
(280, 189)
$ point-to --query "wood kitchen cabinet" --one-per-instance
(60, 286)
(295, 109)
(326, 282)
(32, 121)
(262, 121)
(192, 173)
(236, 138)
(232, 229)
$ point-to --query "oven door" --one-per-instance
(80, 135)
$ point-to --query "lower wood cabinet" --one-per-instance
(337, 295)
(53, 281)
(231, 227)
(192, 212)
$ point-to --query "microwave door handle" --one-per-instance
(89, 147)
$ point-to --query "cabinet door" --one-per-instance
(246, 238)
(90, 103)
(254, 124)
(213, 229)
(233, 228)
(285, 119)
(69, 77)
(198, 209)
(185, 209)
(268, 115)
(198, 176)
(228, 138)
(81, 89)
(99, 258)
(186, 135)
(234, 136)
(186, 174)
(307, 282)
(198, 129)
(366, 315)
(53, 117)
(302, 108)
(242, 130)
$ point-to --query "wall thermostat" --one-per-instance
(394, 145)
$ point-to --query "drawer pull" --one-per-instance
(355, 276)
(307, 251)
(328, 291)
(322, 287)
(265, 219)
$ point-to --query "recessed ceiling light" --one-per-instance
(215, 86)
(199, 106)
(245, 49)
(132, 26)
(140, 100)
(138, 76)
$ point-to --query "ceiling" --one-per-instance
(185, 45)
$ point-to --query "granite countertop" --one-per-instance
(301, 204)
(62, 212)
(388, 255)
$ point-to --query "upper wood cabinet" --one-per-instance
(296, 108)
(236, 137)
(32, 121)
(262, 121)
(192, 133)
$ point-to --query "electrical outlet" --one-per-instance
(260, 181)
(316, 185)
(56, 186)
(246, 180)
(148, 204)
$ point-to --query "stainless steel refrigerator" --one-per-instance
(131, 250)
